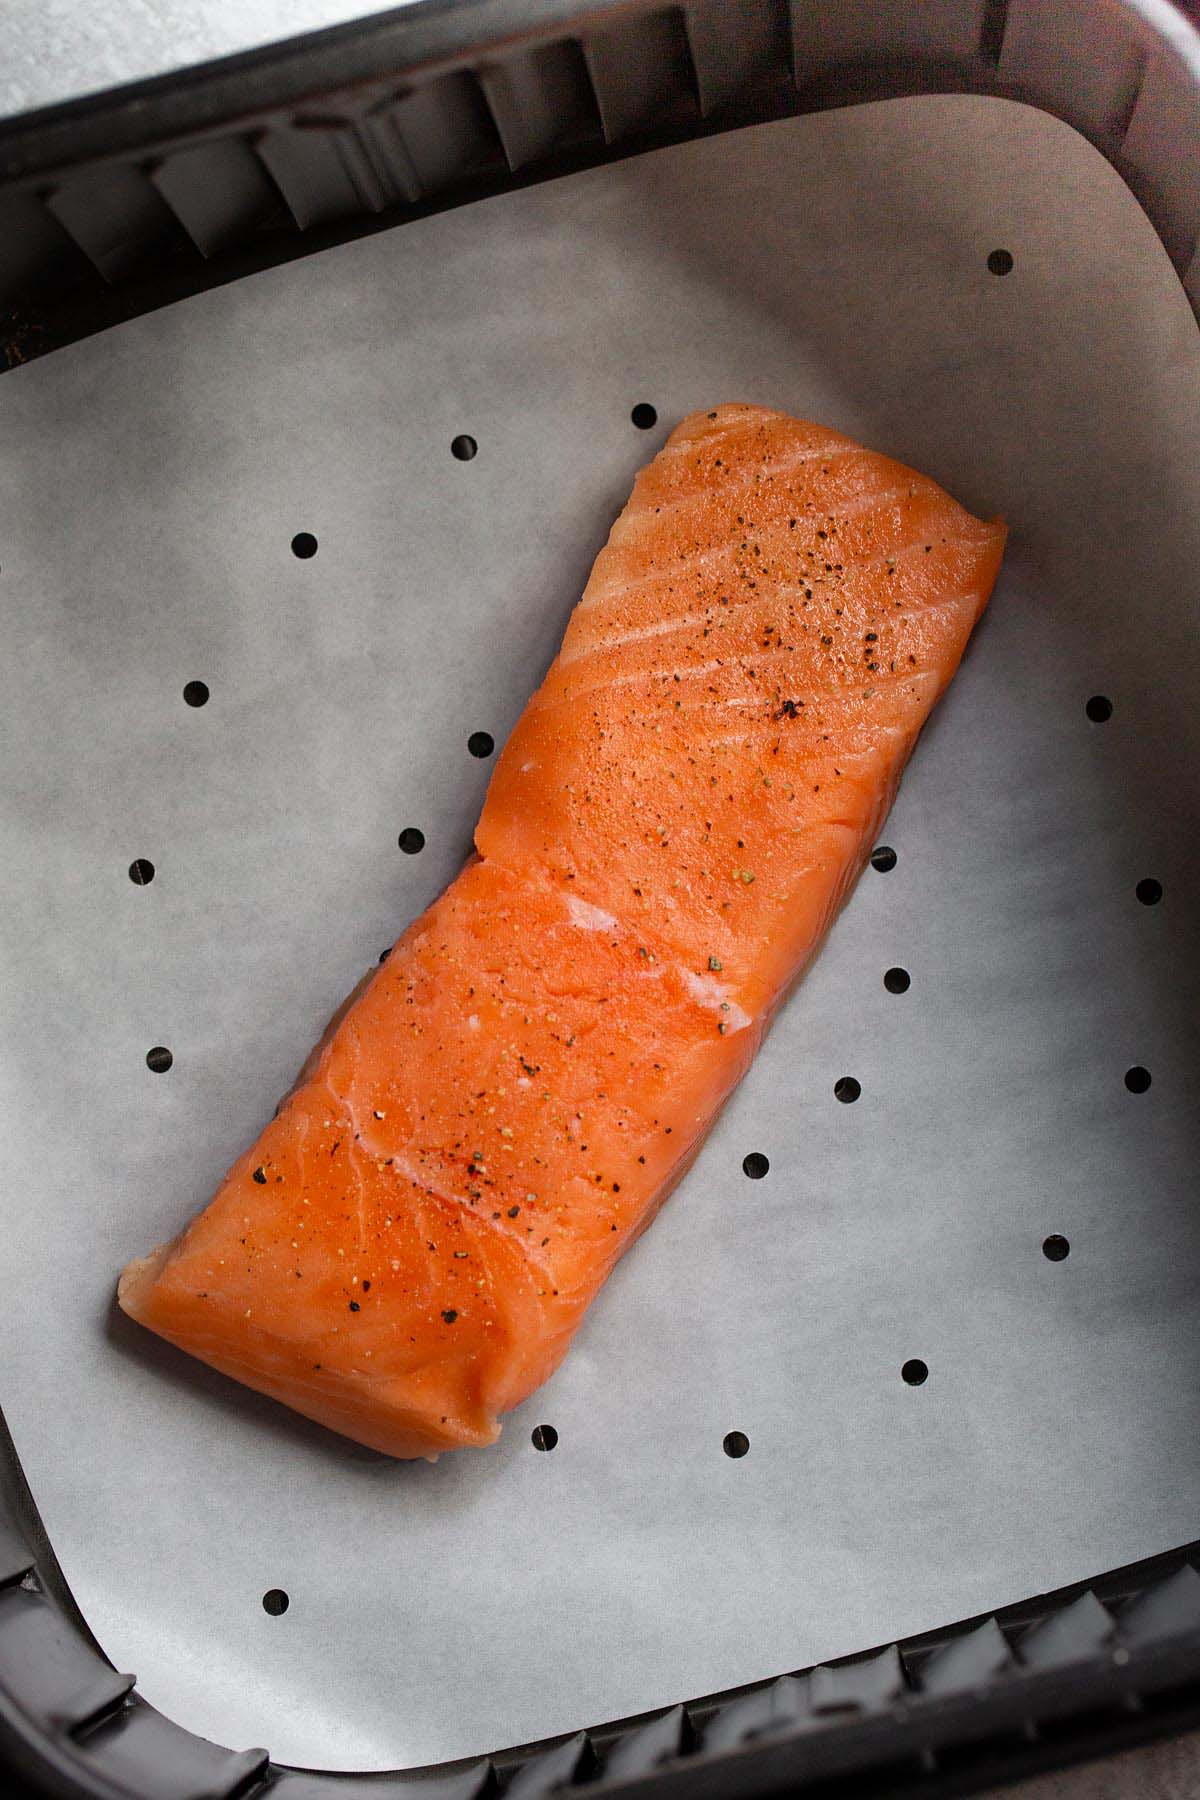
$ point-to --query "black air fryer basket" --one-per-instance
(117, 204)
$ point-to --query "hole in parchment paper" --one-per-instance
(275, 1601)
(883, 858)
(644, 416)
(481, 743)
(736, 1443)
(141, 871)
(411, 840)
(463, 448)
(1099, 708)
(755, 1165)
(1000, 262)
(1149, 891)
(304, 545)
(846, 1089)
(897, 981)
(196, 693)
(1137, 1079)
(159, 1059)
(914, 1371)
(1056, 1248)
(543, 1437)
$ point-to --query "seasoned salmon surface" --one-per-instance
(409, 1247)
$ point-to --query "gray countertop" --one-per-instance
(1169, 1770)
(58, 50)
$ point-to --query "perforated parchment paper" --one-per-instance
(151, 482)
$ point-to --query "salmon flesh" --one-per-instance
(410, 1246)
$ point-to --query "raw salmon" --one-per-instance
(409, 1247)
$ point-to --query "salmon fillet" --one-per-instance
(408, 1249)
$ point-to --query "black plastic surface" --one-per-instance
(118, 203)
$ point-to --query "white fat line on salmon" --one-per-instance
(879, 678)
(401, 1166)
(701, 559)
(356, 1142)
(588, 917)
(779, 590)
(734, 482)
(810, 754)
(775, 728)
(881, 497)
(850, 509)
(717, 609)
(360, 1192)
(722, 553)
(714, 996)
(408, 1171)
(730, 425)
(695, 673)
(926, 609)
(660, 628)
(306, 1120)
(912, 548)
(723, 740)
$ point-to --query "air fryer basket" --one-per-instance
(112, 206)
